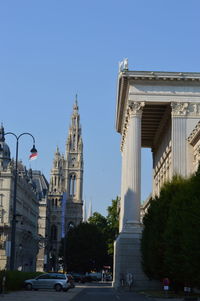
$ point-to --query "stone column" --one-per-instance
(179, 135)
(127, 256)
(131, 169)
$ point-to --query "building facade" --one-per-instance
(160, 111)
(27, 210)
(41, 185)
(66, 188)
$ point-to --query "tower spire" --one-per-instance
(2, 137)
(76, 103)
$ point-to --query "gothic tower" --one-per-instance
(66, 188)
(73, 172)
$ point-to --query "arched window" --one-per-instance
(72, 185)
(1, 199)
(74, 141)
(53, 232)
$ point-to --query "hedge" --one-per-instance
(15, 279)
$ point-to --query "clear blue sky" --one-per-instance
(52, 49)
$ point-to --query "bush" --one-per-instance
(15, 279)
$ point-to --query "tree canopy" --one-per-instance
(171, 235)
(89, 246)
(85, 248)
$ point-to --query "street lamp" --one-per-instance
(13, 229)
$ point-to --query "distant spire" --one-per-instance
(2, 137)
(90, 210)
(57, 151)
(76, 103)
(84, 212)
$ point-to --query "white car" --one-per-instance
(57, 281)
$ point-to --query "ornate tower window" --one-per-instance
(72, 185)
(53, 232)
(1, 216)
(1, 199)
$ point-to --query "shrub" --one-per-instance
(15, 279)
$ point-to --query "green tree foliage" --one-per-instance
(90, 245)
(171, 235)
(109, 226)
(85, 248)
(112, 224)
(100, 222)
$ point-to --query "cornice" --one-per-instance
(125, 76)
(161, 75)
(195, 135)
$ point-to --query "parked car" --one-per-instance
(57, 281)
(95, 276)
(78, 277)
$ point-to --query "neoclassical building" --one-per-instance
(27, 211)
(160, 111)
(41, 185)
(66, 188)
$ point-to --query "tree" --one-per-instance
(171, 235)
(90, 245)
(113, 224)
(86, 248)
(100, 222)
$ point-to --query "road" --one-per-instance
(104, 292)
(86, 292)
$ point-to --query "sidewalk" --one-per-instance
(43, 295)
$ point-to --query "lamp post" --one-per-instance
(13, 229)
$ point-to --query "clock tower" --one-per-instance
(66, 189)
(73, 172)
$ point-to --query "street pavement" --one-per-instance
(86, 292)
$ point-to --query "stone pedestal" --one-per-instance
(128, 260)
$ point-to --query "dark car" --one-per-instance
(57, 281)
(79, 277)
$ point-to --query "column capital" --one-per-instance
(135, 107)
(179, 108)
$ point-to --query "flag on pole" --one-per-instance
(33, 156)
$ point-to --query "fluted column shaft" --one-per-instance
(131, 169)
(179, 151)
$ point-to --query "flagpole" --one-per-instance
(13, 229)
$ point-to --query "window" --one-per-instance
(1, 199)
(1, 216)
(1, 183)
(72, 185)
(53, 232)
(46, 276)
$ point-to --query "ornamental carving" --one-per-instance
(185, 109)
(197, 151)
(135, 107)
(179, 108)
(195, 133)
